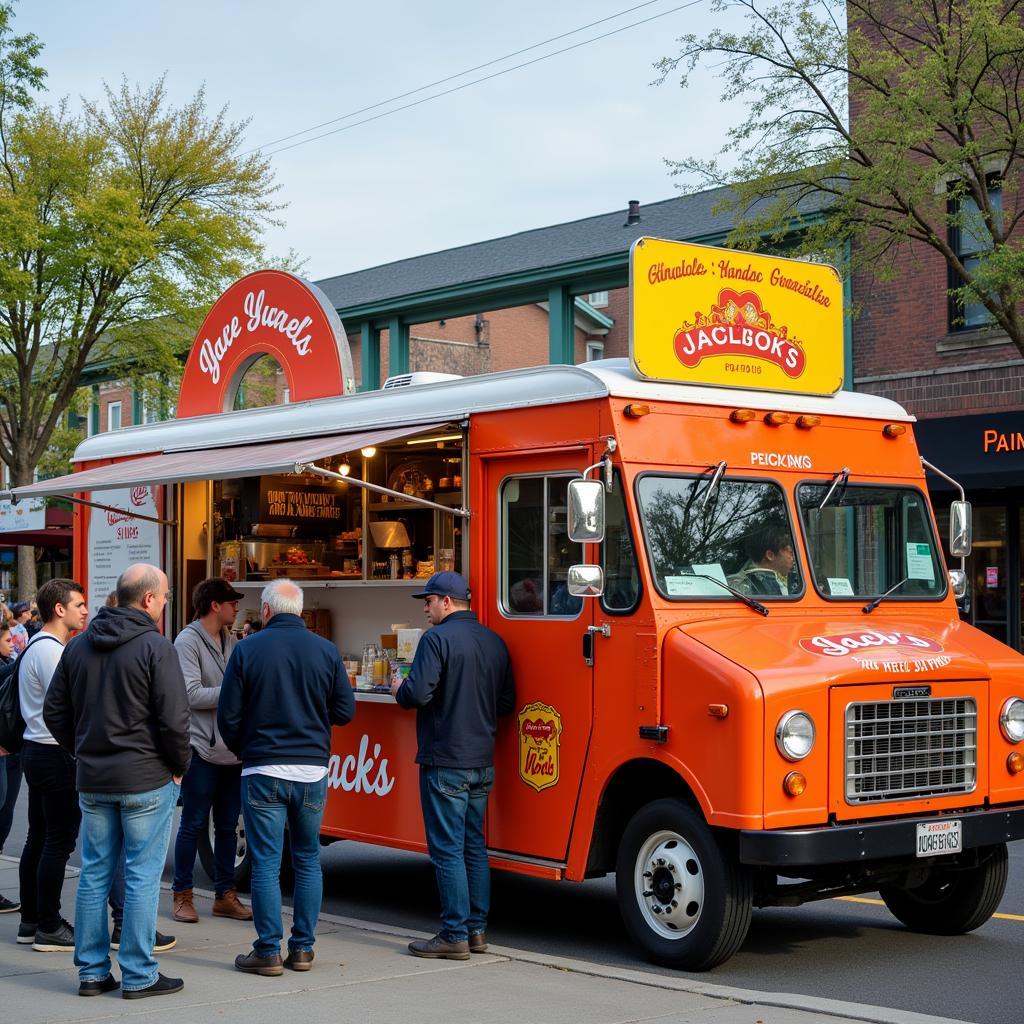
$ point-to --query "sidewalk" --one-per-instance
(363, 973)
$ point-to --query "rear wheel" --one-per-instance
(684, 897)
(243, 864)
(952, 900)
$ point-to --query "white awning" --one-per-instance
(216, 463)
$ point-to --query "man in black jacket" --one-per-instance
(118, 703)
(460, 681)
(281, 694)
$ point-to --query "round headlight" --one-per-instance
(1011, 720)
(794, 735)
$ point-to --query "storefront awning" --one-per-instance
(216, 463)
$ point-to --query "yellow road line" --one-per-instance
(881, 903)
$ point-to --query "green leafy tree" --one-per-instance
(119, 224)
(898, 119)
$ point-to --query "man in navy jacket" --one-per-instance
(460, 681)
(282, 692)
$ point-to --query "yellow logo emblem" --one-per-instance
(540, 727)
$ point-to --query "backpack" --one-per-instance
(12, 725)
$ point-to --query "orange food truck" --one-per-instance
(742, 678)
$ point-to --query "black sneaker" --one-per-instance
(162, 944)
(161, 987)
(97, 988)
(26, 932)
(8, 906)
(61, 940)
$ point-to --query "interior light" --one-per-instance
(795, 783)
(637, 409)
(431, 440)
(892, 430)
(806, 422)
(344, 468)
(368, 452)
(776, 419)
(742, 415)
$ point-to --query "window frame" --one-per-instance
(502, 547)
(896, 596)
(636, 557)
(955, 310)
(725, 597)
(120, 416)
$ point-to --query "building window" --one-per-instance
(971, 241)
(114, 416)
(598, 299)
(595, 350)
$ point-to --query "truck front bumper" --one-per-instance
(881, 840)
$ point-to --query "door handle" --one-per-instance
(588, 641)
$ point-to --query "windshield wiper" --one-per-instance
(712, 487)
(745, 598)
(872, 605)
(841, 479)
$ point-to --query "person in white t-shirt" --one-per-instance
(53, 813)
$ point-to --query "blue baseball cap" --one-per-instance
(446, 584)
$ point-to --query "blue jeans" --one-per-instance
(206, 786)
(267, 804)
(141, 823)
(454, 801)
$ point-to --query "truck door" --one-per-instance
(541, 752)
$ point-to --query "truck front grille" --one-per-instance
(898, 749)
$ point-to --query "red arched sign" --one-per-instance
(266, 313)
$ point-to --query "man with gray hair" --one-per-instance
(281, 694)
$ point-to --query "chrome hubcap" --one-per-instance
(669, 885)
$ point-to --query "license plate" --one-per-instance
(936, 838)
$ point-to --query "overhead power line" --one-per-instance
(475, 81)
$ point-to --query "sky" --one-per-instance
(576, 135)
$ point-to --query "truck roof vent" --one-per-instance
(404, 380)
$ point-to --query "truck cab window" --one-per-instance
(536, 551)
(873, 539)
(618, 556)
(740, 538)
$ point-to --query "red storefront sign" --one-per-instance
(272, 313)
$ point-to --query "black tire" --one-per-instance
(703, 893)
(243, 863)
(952, 901)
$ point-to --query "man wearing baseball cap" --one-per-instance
(460, 681)
(214, 777)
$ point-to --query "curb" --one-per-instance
(749, 997)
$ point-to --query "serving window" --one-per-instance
(308, 526)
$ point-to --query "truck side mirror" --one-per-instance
(960, 529)
(958, 581)
(586, 511)
(585, 581)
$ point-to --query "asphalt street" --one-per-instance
(838, 949)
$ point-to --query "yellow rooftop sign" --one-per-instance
(703, 315)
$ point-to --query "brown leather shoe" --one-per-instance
(478, 942)
(229, 905)
(184, 911)
(268, 966)
(437, 949)
(299, 960)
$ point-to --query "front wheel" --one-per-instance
(684, 897)
(952, 900)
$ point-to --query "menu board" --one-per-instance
(117, 540)
(28, 514)
(316, 507)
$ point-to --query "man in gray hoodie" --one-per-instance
(214, 776)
